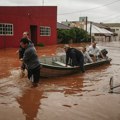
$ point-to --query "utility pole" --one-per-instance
(91, 32)
(86, 23)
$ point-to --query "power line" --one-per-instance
(116, 17)
(91, 8)
(104, 17)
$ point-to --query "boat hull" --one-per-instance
(55, 71)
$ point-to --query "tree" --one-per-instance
(75, 34)
(63, 36)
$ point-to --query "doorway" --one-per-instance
(33, 33)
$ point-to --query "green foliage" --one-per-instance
(40, 45)
(64, 35)
(72, 33)
(75, 34)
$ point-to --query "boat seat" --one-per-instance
(61, 64)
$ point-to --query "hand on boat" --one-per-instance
(76, 66)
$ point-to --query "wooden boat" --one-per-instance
(54, 66)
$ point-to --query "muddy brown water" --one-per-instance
(74, 97)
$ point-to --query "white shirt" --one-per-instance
(94, 51)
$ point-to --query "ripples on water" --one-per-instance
(75, 97)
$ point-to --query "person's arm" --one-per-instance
(67, 59)
(88, 57)
(17, 51)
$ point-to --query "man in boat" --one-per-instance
(31, 61)
(87, 58)
(94, 51)
(75, 56)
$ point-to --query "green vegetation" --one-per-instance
(74, 35)
(40, 45)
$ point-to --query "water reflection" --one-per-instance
(30, 103)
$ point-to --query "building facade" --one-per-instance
(39, 21)
(99, 31)
(115, 28)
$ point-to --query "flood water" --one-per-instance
(74, 97)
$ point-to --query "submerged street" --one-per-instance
(81, 96)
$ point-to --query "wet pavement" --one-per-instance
(74, 97)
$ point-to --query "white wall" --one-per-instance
(117, 30)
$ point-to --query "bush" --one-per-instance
(40, 45)
(77, 35)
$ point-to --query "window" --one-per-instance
(6, 29)
(117, 29)
(45, 31)
(112, 30)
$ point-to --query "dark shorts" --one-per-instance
(34, 74)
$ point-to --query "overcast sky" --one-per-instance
(95, 10)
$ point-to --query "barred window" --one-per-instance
(6, 29)
(45, 31)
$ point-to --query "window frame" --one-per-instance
(46, 31)
(6, 29)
